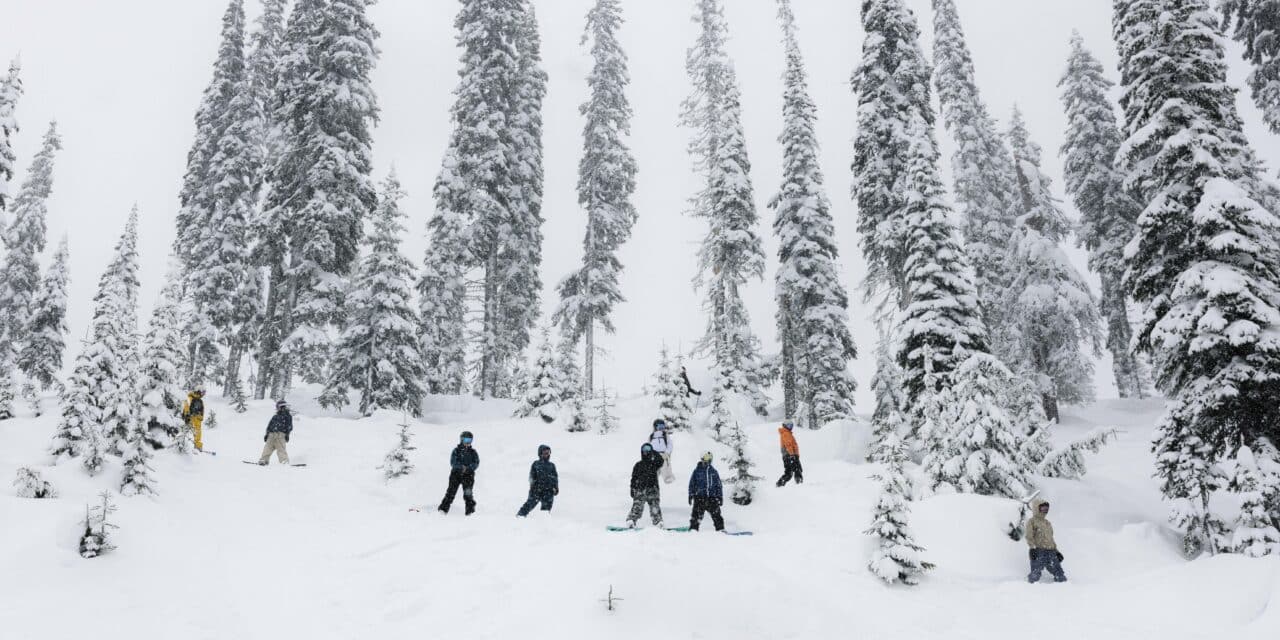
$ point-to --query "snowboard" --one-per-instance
(300, 464)
(725, 532)
(613, 528)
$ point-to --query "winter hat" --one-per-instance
(466, 435)
(660, 424)
(789, 425)
(707, 457)
(281, 404)
(543, 447)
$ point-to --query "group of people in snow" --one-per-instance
(705, 493)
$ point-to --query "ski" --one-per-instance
(300, 464)
(212, 453)
(738, 533)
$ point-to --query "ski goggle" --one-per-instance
(644, 448)
(661, 426)
(466, 441)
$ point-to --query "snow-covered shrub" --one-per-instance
(546, 384)
(137, 478)
(1255, 532)
(744, 484)
(604, 412)
(95, 540)
(673, 395)
(1068, 462)
(31, 485)
(578, 422)
(897, 557)
(397, 463)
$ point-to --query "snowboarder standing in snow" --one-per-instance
(644, 486)
(277, 435)
(790, 455)
(193, 415)
(463, 463)
(661, 441)
(544, 482)
(1044, 551)
(688, 386)
(706, 494)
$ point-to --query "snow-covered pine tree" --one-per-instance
(261, 62)
(442, 303)
(721, 420)
(31, 485)
(985, 187)
(744, 483)
(138, 477)
(544, 390)
(1068, 461)
(731, 253)
(1052, 315)
(983, 445)
(377, 353)
(1204, 266)
(812, 315)
(8, 391)
(1255, 534)
(397, 463)
(606, 404)
(891, 83)
(94, 450)
(897, 556)
(606, 183)
(578, 420)
(673, 396)
(224, 284)
(78, 416)
(160, 379)
(24, 240)
(112, 352)
(10, 94)
(942, 315)
(488, 193)
(321, 190)
(1107, 210)
(95, 540)
(41, 356)
(1257, 26)
(887, 419)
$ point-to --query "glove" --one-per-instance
(555, 492)
(265, 436)
(1031, 554)
(286, 437)
(719, 502)
(690, 499)
(1060, 556)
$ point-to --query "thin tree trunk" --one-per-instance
(589, 358)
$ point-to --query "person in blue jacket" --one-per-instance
(544, 483)
(463, 463)
(706, 494)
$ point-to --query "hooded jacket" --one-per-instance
(1039, 530)
(644, 475)
(194, 407)
(464, 457)
(543, 476)
(789, 445)
(705, 482)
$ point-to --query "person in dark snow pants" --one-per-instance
(544, 483)
(790, 455)
(688, 386)
(463, 463)
(1044, 549)
(706, 494)
(644, 486)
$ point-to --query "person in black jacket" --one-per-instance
(544, 483)
(277, 435)
(463, 463)
(688, 386)
(644, 486)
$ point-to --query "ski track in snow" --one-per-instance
(330, 550)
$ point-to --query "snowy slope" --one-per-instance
(330, 551)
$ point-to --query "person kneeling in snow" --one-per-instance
(706, 494)
(463, 463)
(277, 435)
(1044, 551)
(544, 483)
(644, 486)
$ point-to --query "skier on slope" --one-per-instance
(544, 482)
(706, 494)
(790, 454)
(688, 386)
(1044, 550)
(277, 435)
(463, 463)
(661, 441)
(644, 486)
(193, 415)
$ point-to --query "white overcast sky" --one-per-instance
(123, 78)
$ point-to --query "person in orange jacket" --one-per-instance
(790, 454)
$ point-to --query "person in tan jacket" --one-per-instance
(1044, 550)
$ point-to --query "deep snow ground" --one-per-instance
(229, 550)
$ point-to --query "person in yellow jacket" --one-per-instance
(1044, 549)
(193, 414)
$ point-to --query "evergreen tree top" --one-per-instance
(1041, 210)
(27, 231)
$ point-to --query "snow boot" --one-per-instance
(471, 507)
(631, 524)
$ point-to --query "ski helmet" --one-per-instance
(646, 448)
(543, 447)
(281, 405)
(789, 425)
(466, 436)
(707, 457)
(660, 424)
